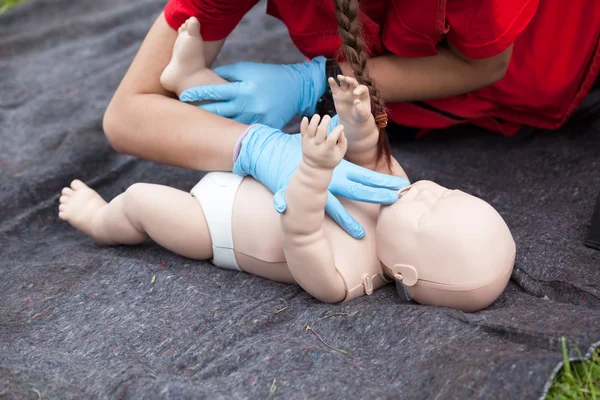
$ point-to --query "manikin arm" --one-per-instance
(353, 107)
(307, 250)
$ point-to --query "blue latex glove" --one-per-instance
(333, 122)
(271, 157)
(268, 94)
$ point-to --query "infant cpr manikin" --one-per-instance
(440, 247)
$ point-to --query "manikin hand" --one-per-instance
(272, 157)
(352, 101)
(263, 93)
(322, 150)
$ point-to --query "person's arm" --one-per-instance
(449, 73)
(476, 53)
(145, 120)
(307, 251)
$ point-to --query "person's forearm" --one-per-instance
(165, 130)
(443, 75)
(307, 250)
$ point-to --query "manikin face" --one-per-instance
(418, 202)
(443, 234)
(414, 210)
(442, 244)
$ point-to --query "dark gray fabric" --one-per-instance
(78, 320)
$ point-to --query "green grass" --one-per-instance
(577, 380)
(6, 5)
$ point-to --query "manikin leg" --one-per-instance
(187, 67)
(171, 217)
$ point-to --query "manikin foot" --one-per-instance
(187, 67)
(79, 205)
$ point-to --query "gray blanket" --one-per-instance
(78, 320)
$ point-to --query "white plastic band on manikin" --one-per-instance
(216, 193)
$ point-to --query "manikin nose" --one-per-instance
(427, 196)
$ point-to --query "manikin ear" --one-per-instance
(407, 274)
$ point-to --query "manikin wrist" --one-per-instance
(314, 84)
(317, 177)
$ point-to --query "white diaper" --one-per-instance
(216, 193)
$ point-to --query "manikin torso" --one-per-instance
(261, 253)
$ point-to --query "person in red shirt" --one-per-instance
(498, 64)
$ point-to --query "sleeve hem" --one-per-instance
(175, 14)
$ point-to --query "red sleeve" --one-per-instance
(411, 29)
(217, 17)
(482, 29)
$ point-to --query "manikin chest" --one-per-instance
(257, 237)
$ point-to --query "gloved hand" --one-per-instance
(272, 157)
(268, 94)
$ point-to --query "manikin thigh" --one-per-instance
(171, 217)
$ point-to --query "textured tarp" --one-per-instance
(78, 320)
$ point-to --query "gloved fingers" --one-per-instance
(226, 109)
(375, 179)
(219, 92)
(357, 192)
(322, 129)
(336, 210)
(230, 72)
(279, 201)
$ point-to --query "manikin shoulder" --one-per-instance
(356, 259)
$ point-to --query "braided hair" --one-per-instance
(350, 30)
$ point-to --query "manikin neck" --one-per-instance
(387, 272)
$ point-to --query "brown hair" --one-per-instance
(350, 30)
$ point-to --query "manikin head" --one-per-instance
(445, 247)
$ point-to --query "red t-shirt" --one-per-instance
(556, 53)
